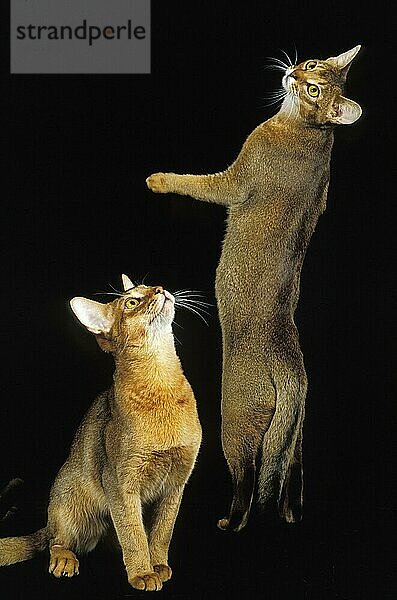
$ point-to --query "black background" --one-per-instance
(79, 214)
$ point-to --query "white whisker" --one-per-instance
(280, 92)
(200, 302)
(296, 55)
(192, 309)
(116, 290)
(274, 67)
(278, 61)
(198, 306)
(288, 58)
(178, 340)
(275, 97)
(107, 294)
(180, 292)
(192, 297)
(272, 102)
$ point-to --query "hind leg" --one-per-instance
(242, 471)
(76, 524)
(247, 411)
(281, 468)
(290, 505)
(62, 521)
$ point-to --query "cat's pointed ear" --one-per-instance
(343, 61)
(127, 283)
(345, 111)
(95, 316)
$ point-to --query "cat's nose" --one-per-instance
(158, 290)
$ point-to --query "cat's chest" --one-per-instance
(152, 472)
(164, 433)
(155, 428)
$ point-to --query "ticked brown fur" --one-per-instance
(135, 448)
(274, 193)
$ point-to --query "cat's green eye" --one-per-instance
(131, 303)
(313, 90)
(310, 65)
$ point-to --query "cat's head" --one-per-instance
(314, 91)
(139, 317)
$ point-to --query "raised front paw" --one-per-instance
(159, 183)
(164, 572)
(148, 582)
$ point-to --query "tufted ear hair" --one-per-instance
(96, 317)
(343, 61)
(345, 112)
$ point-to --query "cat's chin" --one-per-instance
(165, 316)
(285, 80)
(168, 310)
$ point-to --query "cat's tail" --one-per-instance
(7, 494)
(281, 464)
(18, 549)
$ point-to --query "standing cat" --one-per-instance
(274, 192)
(135, 447)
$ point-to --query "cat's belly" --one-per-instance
(250, 277)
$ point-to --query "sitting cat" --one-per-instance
(274, 192)
(136, 446)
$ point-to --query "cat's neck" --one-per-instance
(148, 371)
(292, 120)
(300, 136)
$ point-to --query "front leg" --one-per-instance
(220, 188)
(126, 513)
(161, 532)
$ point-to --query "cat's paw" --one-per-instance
(148, 582)
(63, 563)
(234, 523)
(164, 572)
(159, 183)
(223, 524)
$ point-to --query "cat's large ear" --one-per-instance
(343, 61)
(127, 283)
(95, 316)
(345, 111)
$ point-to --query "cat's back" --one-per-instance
(87, 453)
(92, 425)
